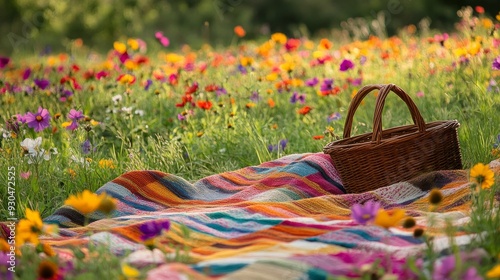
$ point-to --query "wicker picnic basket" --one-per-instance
(369, 161)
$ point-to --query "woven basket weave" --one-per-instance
(373, 160)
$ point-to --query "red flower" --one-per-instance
(205, 105)
(75, 67)
(89, 74)
(304, 110)
(192, 89)
(479, 9)
(211, 88)
(318, 137)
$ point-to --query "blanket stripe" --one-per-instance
(285, 218)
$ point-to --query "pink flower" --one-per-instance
(164, 41)
(25, 175)
(39, 120)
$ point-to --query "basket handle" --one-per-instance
(377, 118)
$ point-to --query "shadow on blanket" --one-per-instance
(284, 218)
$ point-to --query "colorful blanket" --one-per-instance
(284, 219)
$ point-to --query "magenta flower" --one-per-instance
(5, 263)
(496, 63)
(4, 61)
(101, 74)
(365, 213)
(164, 41)
(346, 65)
(26, 74)
(312, 82)
(181, 117)
(74, 116)
(446, 267)
(39, 120)
(42, 84)
(153, 229)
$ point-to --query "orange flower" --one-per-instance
(271, 103)
(325, 44)
(205, 105)
(304, 110)
(126, 79)
(239, 31)
(318, 137)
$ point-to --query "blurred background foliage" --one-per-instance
(34, 25)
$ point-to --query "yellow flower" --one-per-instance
(482, 175)
(72, 173)
(85, 202)
(279, 38)
(131, 65)
(287, 66)
(106, 163)
(94, 122)
(271, 77)
(129, 271)
(246, 60)
(31, 227)
(494, 272)
(173, 58)
(389, 218)
(65, 124)
(120, 47)
(133, 44)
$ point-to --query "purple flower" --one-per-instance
(446, 267)
(346, 64)
(281, 145)
(65, 94)
(355, 82)
(5, 262)
(181, 117)
(220, 91)
(42, 84)
(492, 85)
(327, 85)
(297, 97)
(4, 61)
(74, 116)
(26, 74)
(496, 63)
(39, 120)
(333, 117)
(149, 82)
(86, 147)
(242, 69)
(362, 60)
(366, 212)
(255, 96)
(312, 82)
(153, 229)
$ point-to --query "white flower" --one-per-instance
(32, 146)
(127, 110)
(117, 98)
(139, 112)
(5, 134)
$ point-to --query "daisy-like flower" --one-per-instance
(85, 202)
(31, 227)
(74, 116)
(482, 175)
(39, 120)
(365, 213)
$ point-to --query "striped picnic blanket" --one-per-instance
(284, 219)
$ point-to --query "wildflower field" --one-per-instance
(75, 120)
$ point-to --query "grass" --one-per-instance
(455, 79)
